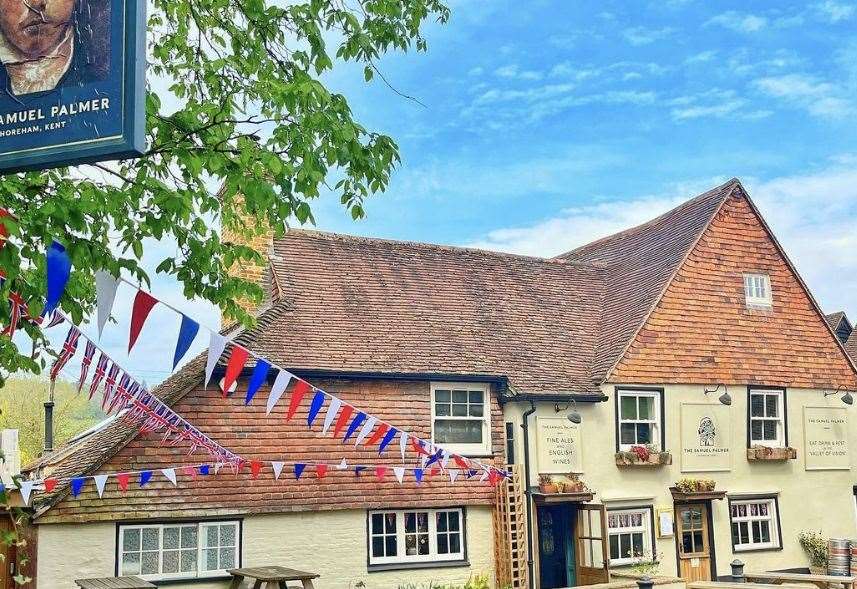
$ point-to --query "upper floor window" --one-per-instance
(178, 551)
(754, 524)
(757, 290)
(639, 419)
(422, 535)
(767, 418)
(461, 417)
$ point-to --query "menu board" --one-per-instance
(706, 434)
(825, 432)
(559, 447)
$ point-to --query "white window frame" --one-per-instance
(482, 449)
(780, 442)
(432, 556)
(200, 530)
(771, 518)
(757, 290)
(645, 529)
(656, 422)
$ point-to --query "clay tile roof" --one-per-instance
(833, 319)
(851, 346)
(640, 262)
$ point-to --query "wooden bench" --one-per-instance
(820, 581)
(734, 585)
(270, 577)
(114, 583)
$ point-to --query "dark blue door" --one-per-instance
(556, 556)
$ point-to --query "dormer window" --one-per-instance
(757, 290)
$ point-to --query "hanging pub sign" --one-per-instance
(826, 438)
(559, 447)
(72, 86)
(705, 438)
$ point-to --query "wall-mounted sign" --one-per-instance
(665, 522)
(825, 432)
(558, 445)
(706, 435)
(71, 82)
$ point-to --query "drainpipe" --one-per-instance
(49, 421)
(527, 492)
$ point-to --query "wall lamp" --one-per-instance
(845, 398)
(573, 416)
(725, 398)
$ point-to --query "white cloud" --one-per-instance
(514, 72)
(834, 12)
(645, 35)
(820, 98)
(715, 110)
(702, 57)
(743, 23)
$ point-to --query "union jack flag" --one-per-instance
(17, 307)
(56, 319)
(67, 352)
(88, 355)
(120, 392)
(108, 386)
(100, 371)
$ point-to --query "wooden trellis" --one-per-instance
(510, 532)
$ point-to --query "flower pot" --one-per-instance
(815, 570)
(548, 488)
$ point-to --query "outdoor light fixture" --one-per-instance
(573, 415)
(845, 398)
(725, 398)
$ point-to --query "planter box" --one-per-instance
(764, 453)
(696, 495)
(655, 460)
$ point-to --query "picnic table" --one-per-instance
(737, 585)
(273, 577)
(114, 583)
(820, 581)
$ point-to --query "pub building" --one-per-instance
(669, 399)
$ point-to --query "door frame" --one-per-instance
(711, 547)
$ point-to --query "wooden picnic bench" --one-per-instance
(114, 583)
(735, 585)
(273, 577)
(820, 581)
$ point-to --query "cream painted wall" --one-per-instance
(808, 500)
(331, 543)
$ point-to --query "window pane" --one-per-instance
(459, 397)
(765, 531)
(210, 536)
(736, 539)
(637, 544)
(131, 540)
(441, 396)
(391, 546)
(410, 522)
(150, 564)
(477, 410)
(770, 429)
(647, 408)
(757, 405)
(459, 410)
(614, 547)
(227, 535)
(442, 544)
(424, 545)
(390, 520)
(189, 537)
(628, 407)
(171, 538)
(697, 541)
(441, 522)
(227, 558)
(475, 396)
(628, 433)
(644, 433)
(442, 409)
(171, 561)
(756, 430)
(625, 545)
(209, 559)
(687, 543)
(131, 563)
(458, 431)
(772, 405)
(455, 543)
(377, 523)
(377, 546)
(422, 521)
(188, 561)
(453, 521)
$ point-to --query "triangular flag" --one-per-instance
(100, 483)
(187, 333)
(77, 485)
(278, 468)
(493, 476)
(255, 468)
(122, 479)
(343, 464)
(278, 388)
(216, 345)
(380, 471)
(236, 362)
(403, 444)
(189, 471)
(332, 410)
(301, 388)
(144, 477)
(346, 412)
(26, 489)
(453, 474)
(445, 460)
(315, 407)
(358, 469)
(418, 474)
(105, 292)
(204, 469)
(50, 485)
(461, 462)
(299, 470)
(368, 426)
(321, 470)
(400, 473)
(58, 271)
(388, 437)
(382, 429)
(260, 373)
(355, 423)
(143, 303)
(170, 474)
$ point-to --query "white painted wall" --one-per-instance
(808, 500)
(331, 543)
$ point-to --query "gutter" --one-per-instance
(559, 397)
(527, 492)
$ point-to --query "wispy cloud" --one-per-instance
(514, 72)
(818, 97)
(834, 12)
(736, 21)
(645, 35)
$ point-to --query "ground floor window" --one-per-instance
(419, 535)
(630, 535)
(178, 551)
(754, 523)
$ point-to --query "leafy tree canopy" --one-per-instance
(245, 110)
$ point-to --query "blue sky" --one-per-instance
(549, 124)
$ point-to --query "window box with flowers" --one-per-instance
(643, 456)
(768, 453)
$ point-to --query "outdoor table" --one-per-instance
(821, 581)
(738, 585)
(114, 583)
(274, 577)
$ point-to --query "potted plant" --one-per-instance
(640, 455)
(815, 546)
(547, 485)
(573, 484)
